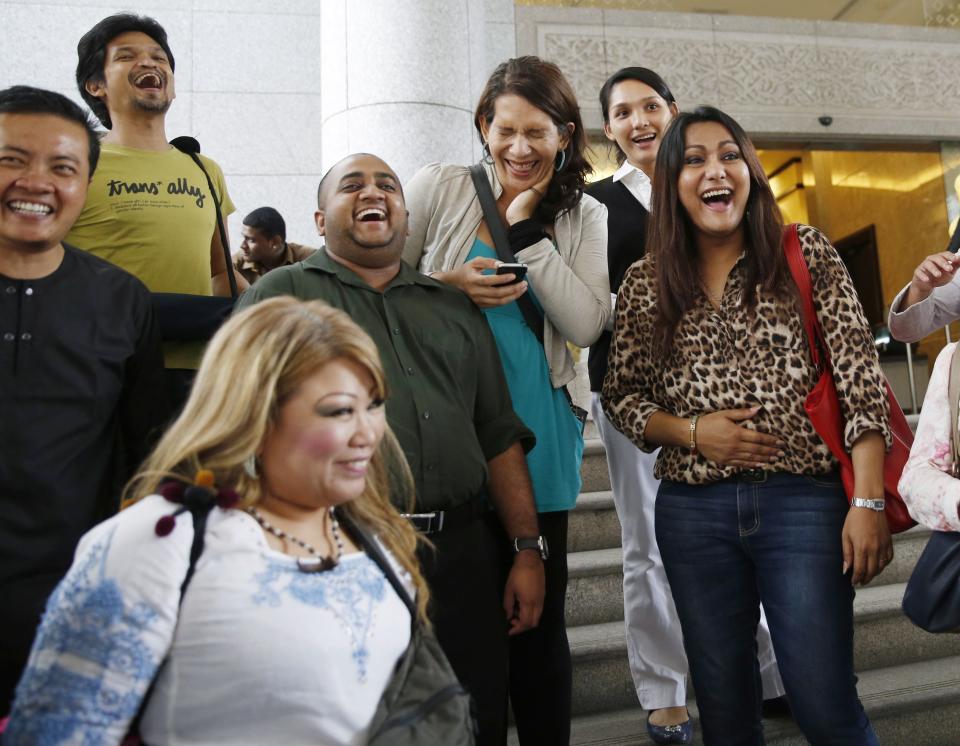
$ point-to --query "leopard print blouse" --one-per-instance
(735, 358)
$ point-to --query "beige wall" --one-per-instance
(901, 193)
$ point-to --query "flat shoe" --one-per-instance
(681, 733)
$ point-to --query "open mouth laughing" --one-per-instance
(717, 199)
(644, 139)
(372, 215)
(521, 169)
(148, 81)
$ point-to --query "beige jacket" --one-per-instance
(571, 280)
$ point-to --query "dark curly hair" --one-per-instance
(543, 85)
(92, 50)
(672, 241)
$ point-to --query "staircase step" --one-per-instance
(595, 588)
(915, 704)
(593, 523)
(593, 469)
(884, 637)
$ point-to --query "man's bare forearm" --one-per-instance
(511, 492)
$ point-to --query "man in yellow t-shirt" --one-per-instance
(149, 209)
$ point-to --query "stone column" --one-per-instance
(400, 79)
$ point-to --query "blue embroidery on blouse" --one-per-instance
(90, 665)
(351, 592)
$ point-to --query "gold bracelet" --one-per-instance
(693, 434)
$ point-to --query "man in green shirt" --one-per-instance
(451, 411)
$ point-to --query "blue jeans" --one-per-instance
(775, 539)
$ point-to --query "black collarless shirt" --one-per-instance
(626, 244)
(81, 394)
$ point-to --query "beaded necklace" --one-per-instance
(316, 562)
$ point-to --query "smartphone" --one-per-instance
(520, 270)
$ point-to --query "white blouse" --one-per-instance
(259, 652)
(929, 489)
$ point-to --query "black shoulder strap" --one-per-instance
(196, 547)
(370, 546)
(501, 243)
(191, 147)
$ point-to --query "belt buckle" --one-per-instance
(753, 475)
(424, 522)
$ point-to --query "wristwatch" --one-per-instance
(864, 502)
(532, 542)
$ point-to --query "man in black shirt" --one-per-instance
(80, 364)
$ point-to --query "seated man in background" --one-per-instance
(81, 387)
(265, 245)
(450, 408)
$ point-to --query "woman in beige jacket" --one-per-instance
(529, 123)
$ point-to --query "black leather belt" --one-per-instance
(447, 520)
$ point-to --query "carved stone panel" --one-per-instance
(779, 75)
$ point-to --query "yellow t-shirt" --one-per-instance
(151, 214)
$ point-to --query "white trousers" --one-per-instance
(654, 640)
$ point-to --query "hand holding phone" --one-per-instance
(513, 268)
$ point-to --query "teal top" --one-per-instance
(554, 462)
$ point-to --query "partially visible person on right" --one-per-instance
(928, 485)
(930, 301)
(265, 246)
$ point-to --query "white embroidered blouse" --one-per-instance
(932, 495)
(259, 652)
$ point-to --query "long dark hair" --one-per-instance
(543, 86)
(641, 75)
(671, 239)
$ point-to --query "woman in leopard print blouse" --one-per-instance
(709, 360)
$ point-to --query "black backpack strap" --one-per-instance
(199, 516)
(189, 146)
(501, 243)
(196, 549)
(370, 546)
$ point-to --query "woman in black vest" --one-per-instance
(637, 108)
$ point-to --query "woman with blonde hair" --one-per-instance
(286, 417)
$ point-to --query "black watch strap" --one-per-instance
(538, 543)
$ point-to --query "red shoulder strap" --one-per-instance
(801, 276)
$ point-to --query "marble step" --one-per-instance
(914, 704)
(595, 587)
(884, 637)
(593, 468)
(593, 523)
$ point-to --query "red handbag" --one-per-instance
(823, 406)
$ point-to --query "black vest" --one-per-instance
(626, 243)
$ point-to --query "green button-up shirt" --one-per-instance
(448, 402)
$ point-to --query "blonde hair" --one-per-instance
(254, 363)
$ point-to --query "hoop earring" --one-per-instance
(250, 466)
(563, 161)
(487, 158)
